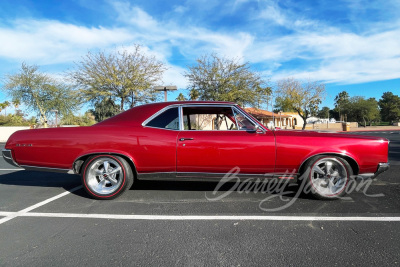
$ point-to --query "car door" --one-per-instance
(156, 148)
(216, 146)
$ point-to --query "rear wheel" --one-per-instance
(106, 176)
(328, 177)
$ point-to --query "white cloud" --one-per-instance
(180, 9)
(272, 12)
(174, 76)
(338, 56)
(327, 53)
(48, 42)
(134, 15)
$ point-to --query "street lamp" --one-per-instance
(165, 89)
(56, 112)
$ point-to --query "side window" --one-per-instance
(169, 119)
(208, 118)
(243, 122)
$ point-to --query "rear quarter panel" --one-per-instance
(59, 148)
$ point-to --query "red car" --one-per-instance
(195, 140)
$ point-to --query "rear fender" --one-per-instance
(78, 162)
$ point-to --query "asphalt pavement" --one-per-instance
(47, 219)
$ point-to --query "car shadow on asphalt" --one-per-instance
(289, 191)
(40, 179)
(67, 181)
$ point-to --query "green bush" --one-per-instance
(15, 120)
(82, 120)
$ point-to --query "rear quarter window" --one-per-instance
(169, 119)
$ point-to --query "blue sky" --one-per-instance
(350, 45)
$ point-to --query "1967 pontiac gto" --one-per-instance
(195, 140)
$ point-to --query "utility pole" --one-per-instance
(165, 89)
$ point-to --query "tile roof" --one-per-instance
(264, 113)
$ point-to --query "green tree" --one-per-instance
(222, 79)
(362, 110)
(83, 120)
(181, 97)
(303, 98)
(323, 113)
(390, 107)
(104, 109)
(6, 104)
(40, 93)
(126, 77)
(194, 94)
(16, 103)
(2, 106)
(341, 101)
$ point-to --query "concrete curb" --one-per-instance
(369, 130)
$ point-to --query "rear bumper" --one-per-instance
(382, 167)
(7, 156)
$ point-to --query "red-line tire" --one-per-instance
(328, 177)
(106, 176)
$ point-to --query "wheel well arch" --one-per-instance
(78, 163)
(352, 162)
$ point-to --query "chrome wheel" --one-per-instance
(328, 177)
(104, 176)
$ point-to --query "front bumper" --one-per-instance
(7, 156)
(382, 167)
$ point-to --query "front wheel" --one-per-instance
(328, 177)
(106, 176)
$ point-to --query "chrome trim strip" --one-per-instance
(233, 112)
(46, 169)
(180, 106)
(181, 125)
(199, 176)
(7, 155)
(232, 106)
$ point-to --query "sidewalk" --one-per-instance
(375, 129)
(359, 129)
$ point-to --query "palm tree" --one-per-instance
(194, 94)
(6, 104)
(181, 97)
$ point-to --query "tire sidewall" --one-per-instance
(125, 170)
(314, 191)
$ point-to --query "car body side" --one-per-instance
(153, 150)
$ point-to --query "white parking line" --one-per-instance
(12, 215)
(201, 217)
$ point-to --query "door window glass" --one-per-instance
(209, 118)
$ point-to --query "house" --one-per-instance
(268, 118)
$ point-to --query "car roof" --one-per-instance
(137, 115)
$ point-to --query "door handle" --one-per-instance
(183, 139)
